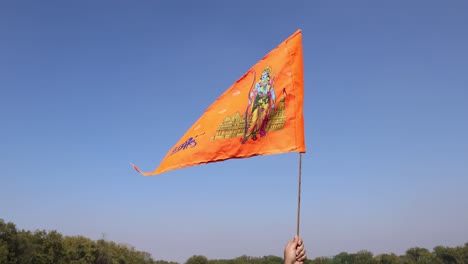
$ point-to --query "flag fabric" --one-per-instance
(260, 114)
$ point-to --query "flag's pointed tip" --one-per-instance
(141, 172)
(135, 168)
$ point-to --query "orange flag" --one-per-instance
(259, 114)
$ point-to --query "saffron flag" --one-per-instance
(260, 114)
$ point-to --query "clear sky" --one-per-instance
(89, 86)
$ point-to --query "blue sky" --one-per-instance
(89, 86)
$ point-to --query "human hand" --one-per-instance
(294, 252)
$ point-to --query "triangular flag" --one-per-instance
(259, 114)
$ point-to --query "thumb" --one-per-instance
(293, 242)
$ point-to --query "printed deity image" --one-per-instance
(261, 114)
(261, 99)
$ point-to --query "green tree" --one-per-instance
(8, 236)
(3, 252)
(463, 253)
(271, 260)
(446, 255)
(418, 255)
(79, 250)
(387, 259)
(163, 262)
(322, 260)
(26, 248)
(220, 261)
(197, 259)
(246, 260)
(103, 253)
(47, 247)
(363, 257)
(342, 258)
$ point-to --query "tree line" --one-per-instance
(51, 247)
(415, 255)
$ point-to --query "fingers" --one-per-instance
(301, 257)
(298, 240)
(300, 251)
(294, 251)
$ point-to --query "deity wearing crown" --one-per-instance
(262, 100)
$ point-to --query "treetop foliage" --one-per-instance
(46, 247)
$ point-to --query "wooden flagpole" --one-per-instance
(299, 194)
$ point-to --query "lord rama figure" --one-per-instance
(262, 101)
